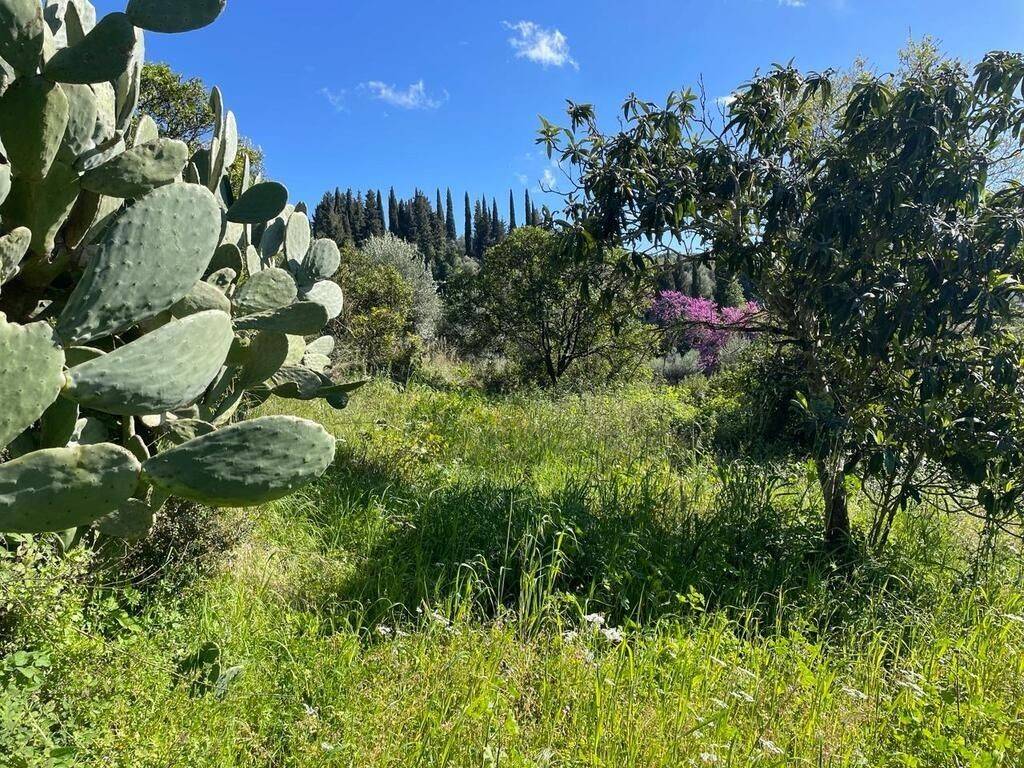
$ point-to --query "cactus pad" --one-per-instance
(245, 464)
(33, 118)
(102, 56)
(297, 237)
(303, 318)
(21, 34)
(267, 290)
(31, 375)
(61, 488)
(259, 204)
(182, 16)
(329, 295)
(162, 371)
(138, 170)
(149, 259)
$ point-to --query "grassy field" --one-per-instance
(527, 581)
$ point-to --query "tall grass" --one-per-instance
(534, 581)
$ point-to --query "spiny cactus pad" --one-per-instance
(265, 356)
(31, 375)
(61, 488)
(132, 521)
(245, 464)
(297, 237)
(322, 262)
(138, 170)
(102, 56)
(303, 318)
(163, 371)
(259, 204)
(21, 34)
(329, 295)
(13, 247)
(33, 118)
(149, 259)
(181, 16)
(43, 207)
(201, 298)
(267, 290)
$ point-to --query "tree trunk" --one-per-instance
(832, 479)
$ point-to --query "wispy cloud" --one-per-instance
(547, 47)
(793, 3)
(413, 97)
(523, 179)
(336, 98)
(548, 180)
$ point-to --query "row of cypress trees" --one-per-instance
(351, 218)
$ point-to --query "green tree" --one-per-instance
(884, 253)
(526, 303)
(468, 229)
(511, 210)
(449, 219)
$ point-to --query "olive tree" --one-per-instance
(883, 248)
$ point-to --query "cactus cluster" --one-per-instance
(143, 299)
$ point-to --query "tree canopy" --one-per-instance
(873, 232)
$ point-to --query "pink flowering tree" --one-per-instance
(701, 324)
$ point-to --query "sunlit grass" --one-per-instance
(542, 581)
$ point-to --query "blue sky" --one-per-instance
(407, 94)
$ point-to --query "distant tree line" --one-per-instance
(353, 217)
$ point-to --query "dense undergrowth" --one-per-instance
(573, 580)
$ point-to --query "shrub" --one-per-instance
(701, 324)
(379, 324)
(405, 258)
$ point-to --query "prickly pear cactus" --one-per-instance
(144, 302)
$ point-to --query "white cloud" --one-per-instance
(336, 98)
(547, 47)
(793, 3)
(523, 179)
(413, 97)
(548, 180)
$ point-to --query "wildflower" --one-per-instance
(853, 693)
(594, 619)
(770, 746)
(612, 634)
(708, 757)
(384, 630)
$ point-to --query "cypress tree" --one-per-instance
(526, 210)
(449, 218)
(468, 236)
(380, 228)
(511, 211)
(393, 226)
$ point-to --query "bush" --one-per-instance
(405, 258)
(702, 325)
(379, 323)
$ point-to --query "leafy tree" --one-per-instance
(526, 303)
(884, 252)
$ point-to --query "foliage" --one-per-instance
(701, 324)
(528, 303)
(132, 328)
(481, 577)
(869, 228)
(181, 109)
(390, 251)
(379, 320)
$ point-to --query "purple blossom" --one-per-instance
(704, 326)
